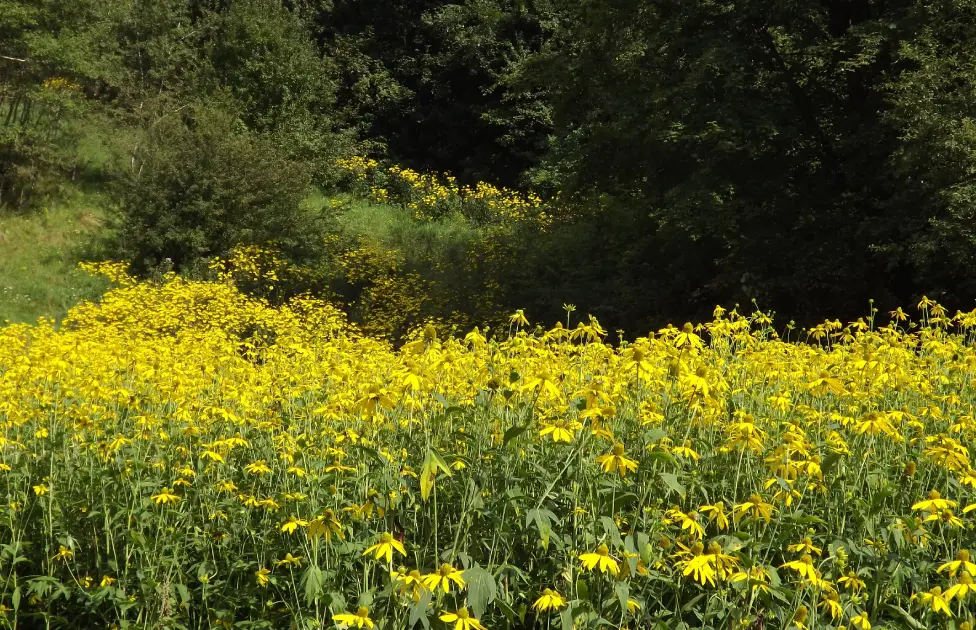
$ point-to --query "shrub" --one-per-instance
(202, 184)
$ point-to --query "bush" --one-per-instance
(203, 184)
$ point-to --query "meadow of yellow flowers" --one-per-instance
(181, 455)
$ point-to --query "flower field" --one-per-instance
(180, 455)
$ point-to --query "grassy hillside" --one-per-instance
(39, 252)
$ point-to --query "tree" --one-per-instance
(51, 53)
(205, 183)
(772, 135)
(426, 81)
(264, 55)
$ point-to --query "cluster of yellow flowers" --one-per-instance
(183, 455)
(61, 84)
(432, 196)
(358, 166)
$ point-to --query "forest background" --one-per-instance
(642, 160)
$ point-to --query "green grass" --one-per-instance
(39, 252)
(395, 228)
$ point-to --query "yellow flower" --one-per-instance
(212, 456)
(687, 338)
(385, 547)
(689, 522)
(962, 588)
(259, 467)
(325, 525)
(358, 620)
(946, 517)
(443, 578)
(292, 524)
(546, 383)
(754, 507)
(805, 546)
(549, 600)
(107, 581)
(852, 581)
(699, 567)
(601, 559)
(262, 576)
(289, 560)
(561, 430)
(861, 621)
(63, 554)
(165, 496)
(716, 513)
(800, 617)
(934, 503)
(804, 566)
(40, 490)
(935, 600)
(756, 576)
(832, 606)
(704, 566)
(615, 461)
(518, 318)
(410, 584)
(962, 561)
(226, 486)
(462, 620)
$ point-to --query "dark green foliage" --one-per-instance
(426, 80)
(49, 52)
(808, 155)
(204, 184)
(265, 56)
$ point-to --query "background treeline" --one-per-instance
(808, 155)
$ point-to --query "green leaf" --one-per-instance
(481, 589)
(690, 604)
(543, 522)
(671, 480)
(829, 463)
(566, 618)
(183, 592)
(15, 599)
(514, 432)
(662, 456)
(509, 612)
(654, 434)
(623, 594)
(418, 611)
(910, 621)
(611, 529)
(439, 462)
(313, 582)
(335, 601)
(582, 589)
(369, 452)
(432, 463)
